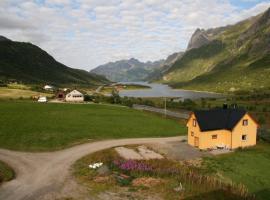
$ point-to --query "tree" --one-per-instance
(115, 97)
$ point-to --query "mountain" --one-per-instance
(198, 39)
(169, 61)
(127, 70)
(29, 64)
(230, 58)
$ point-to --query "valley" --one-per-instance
(180, 109)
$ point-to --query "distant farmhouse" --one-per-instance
(74, 96)
(221, 128)
(48, 87)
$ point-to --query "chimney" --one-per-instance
(225, 106)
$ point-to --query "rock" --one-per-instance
(148, 154)
(128, 154)
(103, 170)
(198, 39)
(101, 179)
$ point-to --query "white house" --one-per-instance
(75, 96)
(48, 87)
(42, 99)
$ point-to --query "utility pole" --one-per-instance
(165, 107)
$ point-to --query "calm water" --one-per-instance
(161, 90)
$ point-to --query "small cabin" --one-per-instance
(221, 128)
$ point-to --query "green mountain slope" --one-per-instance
(236, 57)
(29, 64)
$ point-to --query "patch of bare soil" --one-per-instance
(147, 181)
(178, 150)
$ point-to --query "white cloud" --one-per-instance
(86, 33)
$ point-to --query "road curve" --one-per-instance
(47, 175)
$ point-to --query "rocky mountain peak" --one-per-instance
(198, 39)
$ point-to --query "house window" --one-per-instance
(192, 133)
(194, 122)
(214, 137)
(245, 122)
(244, 137)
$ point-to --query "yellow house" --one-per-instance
(221, 128)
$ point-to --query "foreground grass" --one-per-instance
(36, 127)
(250, 167)
(6, 173)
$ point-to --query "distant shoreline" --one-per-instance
(199, 91)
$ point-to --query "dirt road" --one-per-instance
(48, 176)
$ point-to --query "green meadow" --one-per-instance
(32, 126)
(249, 167)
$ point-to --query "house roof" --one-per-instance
(218, 119)
(76, 92)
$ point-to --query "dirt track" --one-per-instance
(47, 175)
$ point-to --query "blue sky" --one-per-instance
(87, 33)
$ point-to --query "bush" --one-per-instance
(88, 97)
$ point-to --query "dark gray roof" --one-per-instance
(217, 119)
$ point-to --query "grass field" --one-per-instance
(7, 93)
(6, 173)
(36, 127)
(250, 167)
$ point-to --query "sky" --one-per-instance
(87, 33)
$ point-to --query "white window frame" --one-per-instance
(194, 122)
(245, 124)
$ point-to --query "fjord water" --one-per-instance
(161, 90)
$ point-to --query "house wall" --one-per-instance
(196, 130)
(223, 138)
(250, 130)
(71, 98)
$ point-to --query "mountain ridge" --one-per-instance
(231, 58)
(127, 70)
(30, 64)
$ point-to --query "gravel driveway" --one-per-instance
(48, 176)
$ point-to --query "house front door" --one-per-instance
(196, 142)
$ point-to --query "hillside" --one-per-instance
(165, 66)
(235, 57)
(135, 70)
(29, 64)
(127, 70)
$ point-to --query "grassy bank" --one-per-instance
(249, 167)
(6, 173)
(34, 127)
